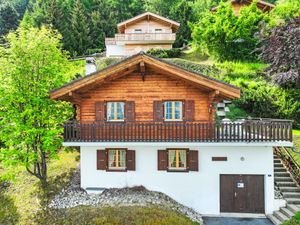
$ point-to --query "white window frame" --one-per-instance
(173, 111)
(108, 111)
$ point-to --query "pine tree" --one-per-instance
(8, 17)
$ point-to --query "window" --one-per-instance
(138, 30)
(177, 159)
(173, 110)
(158, 30)
(115, 111)
(116, 159)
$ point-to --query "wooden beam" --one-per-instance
(142, 70)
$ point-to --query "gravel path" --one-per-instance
(73, 196)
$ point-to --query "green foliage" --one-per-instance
(113, 216)
(165, 53)
(229, 37)
(32, 64)
(294, 221)
(107, 61)
(9, 17)
(286, 9)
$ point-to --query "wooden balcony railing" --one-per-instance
(246, 131)
(141, 37)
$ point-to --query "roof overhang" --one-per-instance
(147, 15)
(69, 91)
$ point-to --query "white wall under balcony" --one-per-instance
(199, 190)
(115, 50)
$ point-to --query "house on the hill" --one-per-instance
(145, 121)
(141, 33)
(238, 4)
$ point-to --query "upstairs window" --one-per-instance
(173, 110)
(137, 30)
(117, 159)
(158, 30)
(177, 159)
(115, 111)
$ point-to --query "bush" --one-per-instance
(229, 37)
(165, 53)
(107, 61)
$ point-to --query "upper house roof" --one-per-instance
(147, 15)
(264, 6)
(140, 63)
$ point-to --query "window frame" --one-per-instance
(158, 30)
(173, 111)
(115, 111)
(138, 31)
(107, 159)
(186, 169)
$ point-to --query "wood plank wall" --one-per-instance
(155, 87)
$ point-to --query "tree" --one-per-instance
(230, 37)
(286, 9)
(31, 65)
(9, 17)
(282, 51)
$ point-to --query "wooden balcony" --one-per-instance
(243, 131)
(135, 38)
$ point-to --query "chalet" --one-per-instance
(238, 4)
(145, 121)
(142, 33)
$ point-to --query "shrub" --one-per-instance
(295, 220)
(229, 37)
(107, 61)
(165, 53)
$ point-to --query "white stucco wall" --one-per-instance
(115, 50)
(199, 190)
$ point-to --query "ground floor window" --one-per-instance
(177, 159)
(117, 159)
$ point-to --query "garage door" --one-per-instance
(242, 193)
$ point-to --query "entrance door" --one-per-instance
(242, 193)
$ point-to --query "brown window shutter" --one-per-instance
(100, 112)
(193, 160)
(101, 160)
(189, 107)
(130, 111)
(130, 159)
(158, 114)
(162, 160)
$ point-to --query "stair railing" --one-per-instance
(289, 161)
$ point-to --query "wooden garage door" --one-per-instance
(242, 193)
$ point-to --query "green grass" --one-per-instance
(24, 197)
(113, 216)
(294, 221)
(296, 132)
(296, 140)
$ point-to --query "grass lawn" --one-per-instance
(296, 139)
(23, 202)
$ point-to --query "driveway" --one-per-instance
(235, 221)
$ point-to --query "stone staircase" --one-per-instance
(290, 191)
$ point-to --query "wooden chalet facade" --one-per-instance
(152, 119)
(141, 33)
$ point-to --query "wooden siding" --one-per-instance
(148, 27)
(144, 93)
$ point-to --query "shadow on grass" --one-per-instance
(8, 211)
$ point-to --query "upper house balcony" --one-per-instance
(260, 130)
(141, 38)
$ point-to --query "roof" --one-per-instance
(132, 63)
(149, 15)
(260, 3)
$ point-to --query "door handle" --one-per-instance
(235, 194)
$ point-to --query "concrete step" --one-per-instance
(287, 212)
(289, 189)
(279, 215)
(291, 195)
(278, 165)
(286, 184)
(293, 208)
(274, 220)
(281, 174)
(277, 161)
(283, 179)
(280, 169)
(293, 200)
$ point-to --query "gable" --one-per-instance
(142, 64)
(148, 26)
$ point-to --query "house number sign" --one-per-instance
(240, 185)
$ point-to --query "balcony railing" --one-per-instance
(141, 37)
(245, 131)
